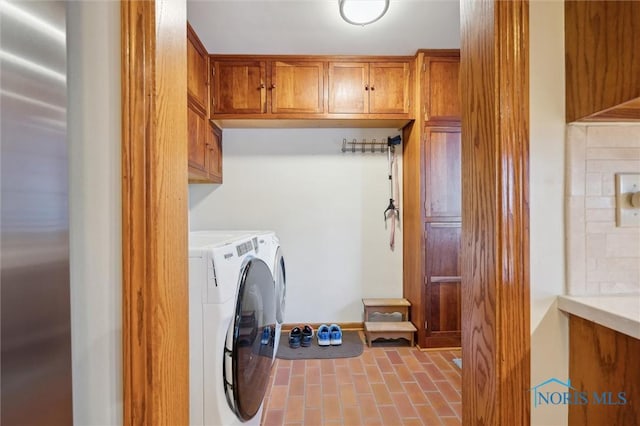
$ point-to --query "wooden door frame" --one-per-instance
(155, 325)
(496, 334)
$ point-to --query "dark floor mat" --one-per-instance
(351, 346)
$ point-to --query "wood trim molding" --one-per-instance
(494, 78)
(154, 213)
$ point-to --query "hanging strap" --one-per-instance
(394, 192)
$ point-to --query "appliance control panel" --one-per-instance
(244, 248)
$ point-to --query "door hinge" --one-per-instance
(426, 325)
(424, 67)
(213, 71)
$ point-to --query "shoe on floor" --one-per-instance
(324, 335)
(335, 337)
(266, 335)
(307, 336)
(295, 337)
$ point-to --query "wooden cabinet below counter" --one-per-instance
(604, 371)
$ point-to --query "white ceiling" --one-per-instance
(314, 27)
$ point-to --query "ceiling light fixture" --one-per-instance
(363, 12)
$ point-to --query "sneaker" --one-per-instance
(335, 335)
(307, 336)
(324, 335)
(295, 336)
(266, 335)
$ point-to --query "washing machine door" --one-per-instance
(280, 277)
(249, 347)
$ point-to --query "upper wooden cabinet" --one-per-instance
(239, 87)
(205, 148)
(214, 153)
(297, 87)
(373, 88)
(204, 139)
(602, 58)
(389, 91)
(197, 69)
(440, 89)
(197, 128)
(349, 87)
(312, 88)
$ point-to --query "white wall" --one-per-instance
(549, 329)
(326, 206)
(93, 30)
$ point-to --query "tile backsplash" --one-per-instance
(601, 258)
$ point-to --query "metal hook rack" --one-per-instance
(373, 145)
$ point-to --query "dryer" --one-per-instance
(270, 251)
(232, 328)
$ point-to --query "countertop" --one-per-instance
(620, 312)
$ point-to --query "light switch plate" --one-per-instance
(627, 184)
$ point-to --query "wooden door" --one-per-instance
(197, 69)
(389, 88)
(442, 284)
(442, 173)
(196, 135)
(238, 87)
(214, 153)
(348, 87)
(440, 89)
(297, 87)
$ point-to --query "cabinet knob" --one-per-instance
(261, 86)
(366, 87)
(373, 88)
(273, 86)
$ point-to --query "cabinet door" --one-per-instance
(442, 172)
(214, 154)
(297, 87)
(239, 87)
(348, 88)
(389, 88)
(442, 284)
(197, 69)
(197, 128)
(441, 92)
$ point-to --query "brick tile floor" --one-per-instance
(384, 386)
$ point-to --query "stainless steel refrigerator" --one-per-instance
(34, 282)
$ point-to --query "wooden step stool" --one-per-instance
(388, 329)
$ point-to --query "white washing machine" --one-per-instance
(232, 323)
